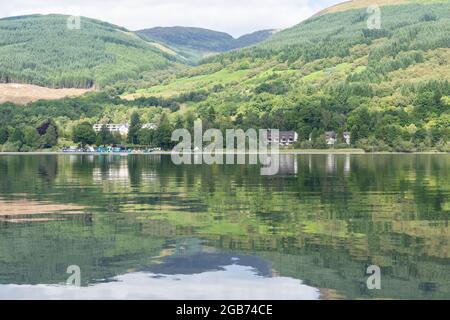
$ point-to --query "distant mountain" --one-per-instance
(46, 50)
(203, 39)
(253, 38)
(197, 43)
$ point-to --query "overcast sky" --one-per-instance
(236, 17)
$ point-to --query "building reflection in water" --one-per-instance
(331, 165)
(288, 164)
(138, 169)
(111, 170)
(132, 169)
(347, 165)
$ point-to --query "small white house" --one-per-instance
(330, 137)
(347, 137)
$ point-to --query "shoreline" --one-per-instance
(282, 152)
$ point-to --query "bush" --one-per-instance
(11, 147)
(372, 145)
(443, 146)
(320, 143)
(26, 148)
(421, 147)
(403, 146)
(304, 144)
(341, 146)
(383, 146)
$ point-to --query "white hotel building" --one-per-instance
(121, 128)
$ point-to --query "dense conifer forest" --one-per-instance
(50, 51)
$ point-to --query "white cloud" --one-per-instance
(236, 17)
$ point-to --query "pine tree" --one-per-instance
(105, 136)
(4, 134)
(50, 137)
(163, 134)
(135, 126)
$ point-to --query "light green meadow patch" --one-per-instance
(343, 67)
(314, 76)
(359, 69)
(187, 84)
(269, 73)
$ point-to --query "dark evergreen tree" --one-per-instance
(4, 135)
(163, 134)
(105, 137)
(135, 126)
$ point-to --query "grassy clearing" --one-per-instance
(26, 93)
(187, 84)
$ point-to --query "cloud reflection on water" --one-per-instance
(234, 282)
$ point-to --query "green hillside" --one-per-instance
(389, 86)
(42, 50)
(196, 43)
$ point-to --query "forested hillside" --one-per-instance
(196, 43)
(43, 50)
(388, 86)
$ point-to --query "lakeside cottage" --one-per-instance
(285, 138)
(347, 137)
(331, 137)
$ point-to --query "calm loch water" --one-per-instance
(140, 227)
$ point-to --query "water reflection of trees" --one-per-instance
(322, 219)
